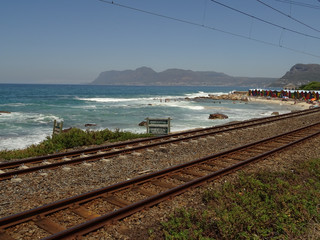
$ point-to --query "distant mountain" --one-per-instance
(145, 76)
(298, 75)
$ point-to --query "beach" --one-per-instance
(32, 109)
(295, 104)
(39, 188)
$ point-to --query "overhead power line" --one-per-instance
(292, 18)
(208, 27)
(265, 21)
(300, 4)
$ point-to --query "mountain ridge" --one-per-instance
(145, 76)
(299, 74)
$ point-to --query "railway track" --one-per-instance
(79, 215)
(23, 166)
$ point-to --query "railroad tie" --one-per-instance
(163, 184)
(49, 226)
(117, 201)
(206, 168)
(83, 212)
(181, 178)
(144, 191)
(193, 173)
(216, 165)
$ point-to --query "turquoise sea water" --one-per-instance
(34, 108)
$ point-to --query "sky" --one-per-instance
(72, 41)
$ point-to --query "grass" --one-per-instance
(310, 86)
(71, 139)
(265, 205)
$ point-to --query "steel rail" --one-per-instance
(253, 122)
(97, 156)
(96, 223)
(15, 219)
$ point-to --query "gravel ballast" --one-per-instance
(37, 189)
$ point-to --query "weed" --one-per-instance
(265, 205)
(71, 139)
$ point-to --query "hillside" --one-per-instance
(298, 75)
(145, 76)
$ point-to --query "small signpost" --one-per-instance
(158, 126)
(57, 127)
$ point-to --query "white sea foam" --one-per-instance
(142, 99)
(15, 104)
(20, 142)
(20, 117)
(191, 107)
(204, 94)
(107, 100)
(23, 129)
(110, 110)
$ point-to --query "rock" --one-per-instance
(16, 180)
(230, 96)
(67, 129)
(90, 125)
(4, 112)
(275, 113)
(217, 116)
(143, 124)
(244, 98)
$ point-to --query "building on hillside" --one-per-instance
(290, 86)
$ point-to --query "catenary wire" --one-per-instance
(265, 21)
(299, 4)
(208, 27)
(292, 18)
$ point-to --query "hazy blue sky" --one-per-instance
(72, 41)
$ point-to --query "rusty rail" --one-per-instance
(91, 225)
(153, 142)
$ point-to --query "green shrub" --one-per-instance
(310, 86)
(71, 139)
(266, 205)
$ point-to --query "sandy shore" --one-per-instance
(298, 105)
(240, 96)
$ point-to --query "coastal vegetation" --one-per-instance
(310, 86)
(264, 205)
(71, 139)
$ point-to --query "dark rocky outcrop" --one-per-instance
(232, 96)
(90, 125)
(143, 124)
(217, 116)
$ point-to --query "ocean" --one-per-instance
(33, 109)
